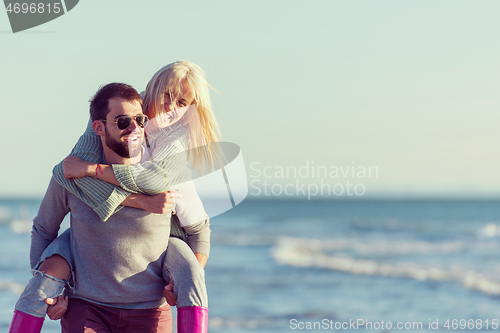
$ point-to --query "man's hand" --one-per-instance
(57, 307)
(168, 292)
(75, 167)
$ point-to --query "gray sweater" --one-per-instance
(118, 262)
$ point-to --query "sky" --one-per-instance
(406, 88)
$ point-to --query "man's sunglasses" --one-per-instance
(123, 122)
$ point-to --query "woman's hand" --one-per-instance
(75, 167)
(162, 203)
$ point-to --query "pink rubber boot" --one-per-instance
(192, 319)
(25, 323)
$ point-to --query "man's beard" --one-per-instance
(123, 149)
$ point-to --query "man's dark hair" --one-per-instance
(99, 103)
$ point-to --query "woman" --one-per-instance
(178, 103)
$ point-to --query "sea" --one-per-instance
(326, 265)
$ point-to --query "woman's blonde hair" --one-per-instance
(170, 80)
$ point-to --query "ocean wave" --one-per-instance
(373, 247)
(11, 286)
(300, 252)
(489, 230)
(20, 226)
(394, 224)
(5, 215)
(243, 240)
(237, 323)
(17, 225)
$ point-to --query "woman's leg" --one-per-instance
(56, 266)
(188, 276)
(48, 281)
(183, 269)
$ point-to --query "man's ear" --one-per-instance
(98, 127)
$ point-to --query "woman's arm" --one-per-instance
(74, 167)
(202, 259)
(151, 175)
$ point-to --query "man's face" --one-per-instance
(127, 142)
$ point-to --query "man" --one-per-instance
(119, 284)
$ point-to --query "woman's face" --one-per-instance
(172, 102)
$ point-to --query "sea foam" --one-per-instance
(301, 252)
